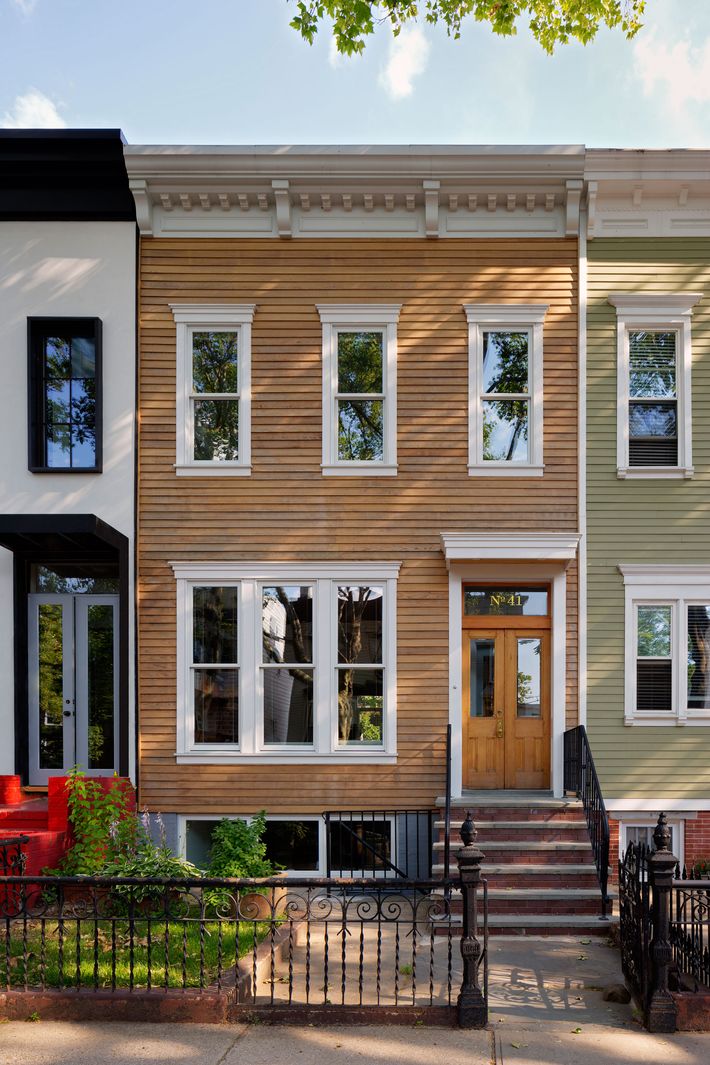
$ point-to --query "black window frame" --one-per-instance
(38, 328)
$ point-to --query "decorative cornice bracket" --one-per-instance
(282, 199)
(144, 208)
(431, 207)
(574, 198)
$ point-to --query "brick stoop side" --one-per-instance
(539, 866)
(693, 1010)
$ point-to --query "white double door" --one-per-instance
(73, 684)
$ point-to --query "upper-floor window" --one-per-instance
(505, 389)
(667, 644)
(64, 394)
(654, 426)
(286, 660)
(359, 389)
(213, 388)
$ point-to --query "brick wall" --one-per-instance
(697, 837)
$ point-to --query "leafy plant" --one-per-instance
(103, 824)
(148, 859)
(700, 869)
(238, 849)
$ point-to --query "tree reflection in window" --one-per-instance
(360, 397)
(360, 672)
(505, 397)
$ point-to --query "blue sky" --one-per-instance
(233, 71)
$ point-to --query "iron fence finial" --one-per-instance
(468, 831)
(662, 834)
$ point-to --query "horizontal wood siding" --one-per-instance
(655, 521)
(288, 511)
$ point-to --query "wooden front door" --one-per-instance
(506, 705)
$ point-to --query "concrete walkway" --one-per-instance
(546, 1009)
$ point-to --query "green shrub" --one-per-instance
(238, 849)
(103, 824)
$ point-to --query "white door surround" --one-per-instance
(510, 557)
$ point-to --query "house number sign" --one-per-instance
(505, 601)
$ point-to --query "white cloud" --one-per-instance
(408, 57)
(680, 72)
(26, 6)
(34, 110)
(335, 58)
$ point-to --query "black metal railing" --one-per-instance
(386, 843)
(447, 806)
(278, 944)
(690, 933)
(13, 855)
(580, 778)
(635, 919)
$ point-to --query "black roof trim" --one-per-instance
(55, 175)
(39, 537)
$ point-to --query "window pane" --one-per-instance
(506, 601)
(216, 430)
(288, 705)
(214, 625)
(653, 419)
(654, 631)
(198, 841)
(287, 623)
(360, 846)
(83, 358)
(360, 430)
(292, 844)
(214, 362)
(73, 578)
(360, 362)
(654, 685)
(83, 447)
(505, 431)
(529, 698)
(482, 678)
(505, 362)
(70, 402)
(216, 705)
(360, 623)
(57, 355)
(58, 399)
(51, 686)
(101, 667)
(699, 657)
(59, 446)
(652, 364)
(644, 834)
(360, 706)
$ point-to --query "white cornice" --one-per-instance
(359, 313)
(522, 546)
(250, 570)
(212, 313)
(654, 305)
(668, 574)
(505, 313)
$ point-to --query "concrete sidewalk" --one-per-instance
(546, 1009)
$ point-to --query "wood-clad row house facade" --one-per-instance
(387, 549)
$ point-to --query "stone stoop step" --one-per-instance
(539, 863)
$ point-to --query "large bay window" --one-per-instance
(280, 661)
(667, 645)
(654, 427)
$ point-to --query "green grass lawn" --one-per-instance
(34, 955)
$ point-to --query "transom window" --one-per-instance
(286, 662)
(213, 398)
(654, 431)
(505, 389)
(668, 644)
(359, 389)
(65, 394)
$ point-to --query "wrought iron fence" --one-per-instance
(275, 945)
(393, 844)
(12, 855)
(580, 777)
(635, 919)
(690, 933)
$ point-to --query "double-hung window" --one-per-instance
(64, 395)
(667, 644)
(281, 661)
(359, 389)
(505, 389)
(654, 426)
(213, 389)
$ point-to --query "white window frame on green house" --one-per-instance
(251, 578)
(505, 318)
(657, 312)
(191, 318)
(359, 318)
(677, 587)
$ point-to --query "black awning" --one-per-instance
(61, 537)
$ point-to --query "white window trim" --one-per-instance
(250, 577)
(191, 318)
(644, 820)
(515, 318)
(656, 311)
(339, 317)
(322, 835)
(677, 586)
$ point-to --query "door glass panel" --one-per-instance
(482, 677)
(51, 686)
(100, 685)
(505, 602)
(528, 678)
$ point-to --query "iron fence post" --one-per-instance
(471, 1003)
(661, 1010)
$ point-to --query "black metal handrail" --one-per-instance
(447, 808)
(404, 849)
(580, 777)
